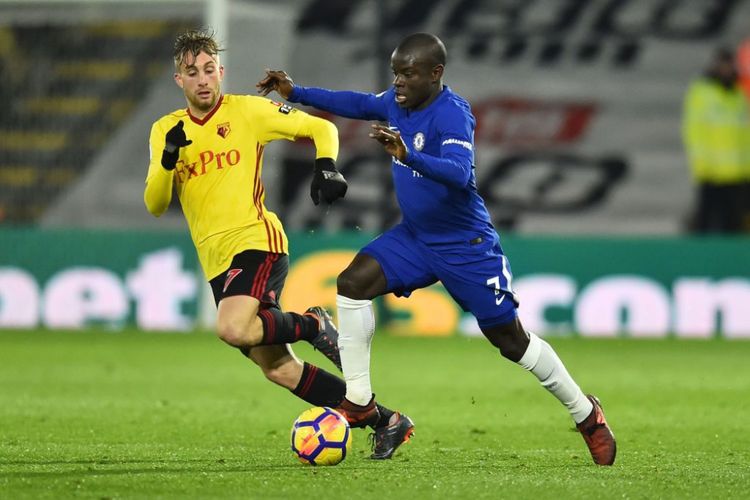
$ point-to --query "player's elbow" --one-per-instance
(326, 138)
(329, 129)
(155, 206)
(463, 175)
(156, 209)
(320, 127)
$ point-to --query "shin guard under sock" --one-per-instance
(286, 327)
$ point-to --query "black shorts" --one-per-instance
(255, 273)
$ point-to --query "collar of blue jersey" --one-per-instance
(446, 90)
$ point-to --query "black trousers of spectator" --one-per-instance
(721, 208)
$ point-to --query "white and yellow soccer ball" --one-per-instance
(321, 436)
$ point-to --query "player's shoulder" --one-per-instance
(169, 120)
(454, 101)
(453, 109)
(258, 104)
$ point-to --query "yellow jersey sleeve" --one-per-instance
(158, 193)
(281, 121)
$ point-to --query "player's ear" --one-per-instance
(221, 73)
(178, 80)
(437, 72)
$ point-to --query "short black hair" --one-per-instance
(425, 44)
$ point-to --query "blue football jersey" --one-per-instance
(436, 184)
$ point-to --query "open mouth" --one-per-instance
(400, 98)
(204, 94)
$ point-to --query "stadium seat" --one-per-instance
(71, 87)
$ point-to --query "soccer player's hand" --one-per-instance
(275, 80)
(174, 140)
(391, 141)
(327, 183)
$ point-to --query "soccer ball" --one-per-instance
(321, 436)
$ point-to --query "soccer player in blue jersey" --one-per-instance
(446, 233)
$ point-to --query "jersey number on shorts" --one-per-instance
(494, 283)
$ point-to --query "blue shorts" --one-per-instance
(476, 274)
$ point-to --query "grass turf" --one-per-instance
(135, 415)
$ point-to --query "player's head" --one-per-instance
(418, 64)
(198, 70)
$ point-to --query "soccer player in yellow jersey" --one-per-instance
(211, 155)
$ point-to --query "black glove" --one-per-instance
(327, 182)
(174, 140)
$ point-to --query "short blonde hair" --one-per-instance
(194, 42)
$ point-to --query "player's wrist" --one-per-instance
(325, 164)
(169, 159)
(405, 157)
(294, 94)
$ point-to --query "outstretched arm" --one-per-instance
(322, 132)
(284, 122)
(327, 184)
(349, 104)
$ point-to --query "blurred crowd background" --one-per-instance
(579, 103)
(596, 118)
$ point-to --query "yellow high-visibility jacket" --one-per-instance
(716, 132)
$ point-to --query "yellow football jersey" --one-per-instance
(218, 176)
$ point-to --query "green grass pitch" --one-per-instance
(135, 415)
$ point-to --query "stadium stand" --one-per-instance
(69, 87)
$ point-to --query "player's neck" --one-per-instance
(430, 100)
(200, 114)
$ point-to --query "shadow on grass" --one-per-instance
(99, 467)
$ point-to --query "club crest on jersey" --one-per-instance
(223, 129)
(418, 141)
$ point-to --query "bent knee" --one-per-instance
(348, 286)
(513, 352)
(510, 339)
(234, 333)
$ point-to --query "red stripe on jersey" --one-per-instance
(258, 184)
(256, 179)
(276, 240)
(259, 201)
(261, 192)
(283, 248)
(268, 235)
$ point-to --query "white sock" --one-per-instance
(356, 328)
(541, 360)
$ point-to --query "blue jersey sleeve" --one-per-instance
(349, 104)
(455, 129)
